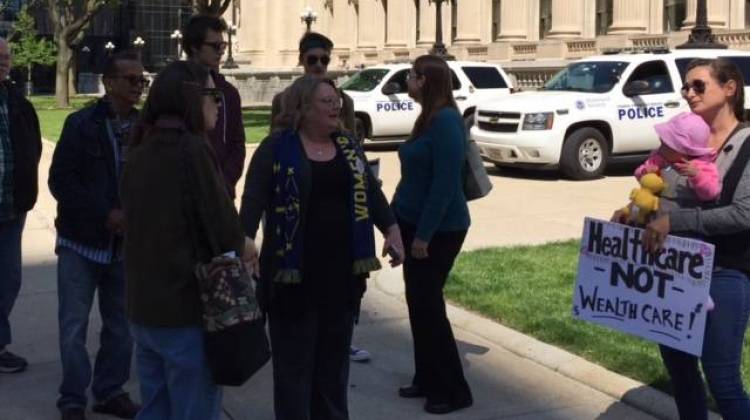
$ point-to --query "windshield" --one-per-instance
(592, 76)
(365, 81)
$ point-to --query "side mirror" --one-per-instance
(391, 88)
(635, 88)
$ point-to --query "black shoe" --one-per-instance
(120, 406)
(73, 413)
(11, 363)
(411, 391)
(446, 407)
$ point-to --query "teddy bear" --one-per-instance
(644, 201)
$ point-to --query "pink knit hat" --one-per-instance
(685, 133)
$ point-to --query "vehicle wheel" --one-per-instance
(361, 128)
(584, 154)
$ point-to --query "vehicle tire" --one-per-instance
(584, 154)
(360, 126)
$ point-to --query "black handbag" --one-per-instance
(236, 343)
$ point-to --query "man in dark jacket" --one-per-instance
(20, 150)
(84, 178)
(203, 42)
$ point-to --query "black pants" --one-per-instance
(438, 370)
(311, 362)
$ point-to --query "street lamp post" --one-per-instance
(231, 30)
(438, 48)
(308, 16)
(138, 43)
(109, 47)
(700, 35)
(177, 36)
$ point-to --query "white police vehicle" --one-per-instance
(385, 112)
(595, 111)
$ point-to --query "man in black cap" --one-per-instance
(314, 57)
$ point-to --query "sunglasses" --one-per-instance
(312, 60)
(214, 93)
(218, 46)
(135, 80)
(698, 86)
(412, 75)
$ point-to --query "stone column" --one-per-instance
(468, 23)
(718, 13)
(567, 19)
(513, 20)
(656, 17)
(737, 14)
(344, 25)
(251, 31)
(371, 24)
(426, 24)
(400, 23)
(629, 17)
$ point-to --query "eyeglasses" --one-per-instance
(218, 46)
(214, 93)
(135, 80)
(333, 101)
(312, 60)
(698, 86)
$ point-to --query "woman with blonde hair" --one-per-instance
(320, 200)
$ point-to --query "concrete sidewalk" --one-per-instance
(507, 371)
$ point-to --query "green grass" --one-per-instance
(51, 118)
(530, 289)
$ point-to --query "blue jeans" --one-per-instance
(174, 375)
(722, 353)
(77, 280)
(10, 272)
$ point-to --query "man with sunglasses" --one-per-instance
(314, 57)
(203, 42)
(84, 178)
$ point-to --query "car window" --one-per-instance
(485, 77)
(454, 80)
(400, 79)
(742, 62)
(588, 76)
(365, 80)
(656, 74)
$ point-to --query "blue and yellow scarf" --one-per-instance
(287, 211)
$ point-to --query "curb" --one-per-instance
(629, 391)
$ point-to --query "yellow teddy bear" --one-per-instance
(644, 201)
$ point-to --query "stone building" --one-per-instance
(530, 38)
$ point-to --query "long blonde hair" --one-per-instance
(297, 101)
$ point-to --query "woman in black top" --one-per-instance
(320, 202)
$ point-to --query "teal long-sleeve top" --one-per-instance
(430, 194)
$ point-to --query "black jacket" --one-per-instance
(26, 141)
(82, 177)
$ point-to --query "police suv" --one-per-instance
(595, 111)
(384, 110)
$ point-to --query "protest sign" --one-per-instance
(661, 297)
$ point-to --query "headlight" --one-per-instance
(538, 121)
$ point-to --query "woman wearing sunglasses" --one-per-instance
(433, 216)
(176, 204)
(714, 91)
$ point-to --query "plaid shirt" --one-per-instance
(6, 161)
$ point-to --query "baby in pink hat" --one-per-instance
(684, 160)
(684, 148)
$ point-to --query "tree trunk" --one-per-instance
(72, 86)
(64, 54)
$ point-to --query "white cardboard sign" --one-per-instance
(660, 297)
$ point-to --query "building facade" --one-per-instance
(529, 37)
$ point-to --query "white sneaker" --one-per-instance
(358, 355)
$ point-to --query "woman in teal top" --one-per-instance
(433, 216)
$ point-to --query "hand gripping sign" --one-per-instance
(660, 297)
